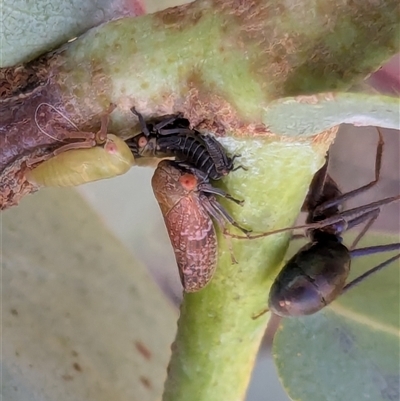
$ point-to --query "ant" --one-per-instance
(316, 275)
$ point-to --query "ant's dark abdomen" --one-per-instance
(311, 279)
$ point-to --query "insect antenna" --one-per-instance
(58, 112)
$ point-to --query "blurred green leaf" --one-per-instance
(81, 318)
(309, 115)
(350, 350)
(33, 27)
(30, 28)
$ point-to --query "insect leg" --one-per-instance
(90, 139)
(373, 215)
(204, 185)
(372, 250)
(89, 142)
(209, 206)
(297, 236)
(238, 167)
(76, 145)
(316, 187)
(259, 314)
(142, 123)
(167, 121)
(101, 135)
(223, 163)
(357, 211)
(342, 198)
(175, 131)
(208, 188)
(375, 269)
(219, 209)
(360, 210)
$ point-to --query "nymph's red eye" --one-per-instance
(142, 142)
(188, 181)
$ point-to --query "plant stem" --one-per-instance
(217, 339)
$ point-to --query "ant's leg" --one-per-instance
(363, 213)
(369, 251)
(360, 211)
(316, 188)
(372, 250)
(259, 314)
(296, 236)
(340, 199)
(373, 216)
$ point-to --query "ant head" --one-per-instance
(313, 278)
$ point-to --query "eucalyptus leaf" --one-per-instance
(30, 28)
(309, 115)
(81, 318)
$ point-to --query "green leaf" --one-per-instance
(350, 350)
(81, 318)
(30, 28)
(309, 115)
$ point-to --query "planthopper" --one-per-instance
(188, 204)
(86, 157)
